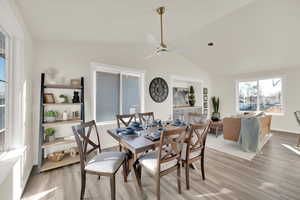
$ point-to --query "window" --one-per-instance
(261, 95)
(117, 92)
(3, 89)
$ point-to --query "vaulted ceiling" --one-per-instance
(248, 34)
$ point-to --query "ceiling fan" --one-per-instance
(161, 47)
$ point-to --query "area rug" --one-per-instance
(230, 147)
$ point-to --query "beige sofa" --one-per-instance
(232, 126)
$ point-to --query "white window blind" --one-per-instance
(130, 94)
(107, 96)
(117, 92)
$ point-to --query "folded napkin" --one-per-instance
(154, 136)
(179, 123)
(118, 130)
(126, 131)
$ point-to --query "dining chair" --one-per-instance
(297, 115)
(143, 117)
(125, 120)
(101, 163)
(164, 160)
(194, 148)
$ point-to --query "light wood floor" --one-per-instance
(273, 174)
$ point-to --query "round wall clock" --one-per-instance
(158, 90)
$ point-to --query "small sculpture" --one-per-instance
(76, 98)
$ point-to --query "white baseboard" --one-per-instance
(285, 131)
(26, 179)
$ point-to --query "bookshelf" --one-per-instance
(43, 163)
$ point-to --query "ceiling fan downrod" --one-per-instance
(161, 11)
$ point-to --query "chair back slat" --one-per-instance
(143, 117)
(125, 120)
(171, 143)
(82, 135)
(197, 138)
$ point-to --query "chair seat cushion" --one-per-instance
(106, 162)
(150, 162)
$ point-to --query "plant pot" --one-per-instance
(192, 103)
(215, 116)
(49, 138)
(50, 119)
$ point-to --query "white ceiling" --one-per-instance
(249, 35)
(262, 36)
(119, 20)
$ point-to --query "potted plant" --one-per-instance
(64, 98)
(216, 104)
(192, 98)
(50, 116)
(49, 133)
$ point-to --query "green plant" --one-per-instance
(192, 98)
(216, 104)
(49, 131)
(64, 97)
(51, 113)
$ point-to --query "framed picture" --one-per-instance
(205, 98)
(205, 104)
(49, 98)
(205, 90)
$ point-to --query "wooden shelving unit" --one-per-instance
(59, 141)
(61, 104)
(63, 87)
(61, 123)
(43, 163)
(68, 160)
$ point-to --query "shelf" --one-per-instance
(186, 107)
(68, 160)
(60, 123)
(63, 87)
(59, 141)
(61, 104)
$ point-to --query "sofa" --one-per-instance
(232, 125)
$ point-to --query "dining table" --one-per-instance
(138, 143)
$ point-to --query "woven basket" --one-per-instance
(56, 156)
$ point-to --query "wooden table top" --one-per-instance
(137, 143)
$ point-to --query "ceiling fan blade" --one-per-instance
(152, 40)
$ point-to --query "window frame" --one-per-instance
(98, 67)
(8, 92)
(258, 94)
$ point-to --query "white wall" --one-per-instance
(20, 133)
(73, 60)
(224, 86)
